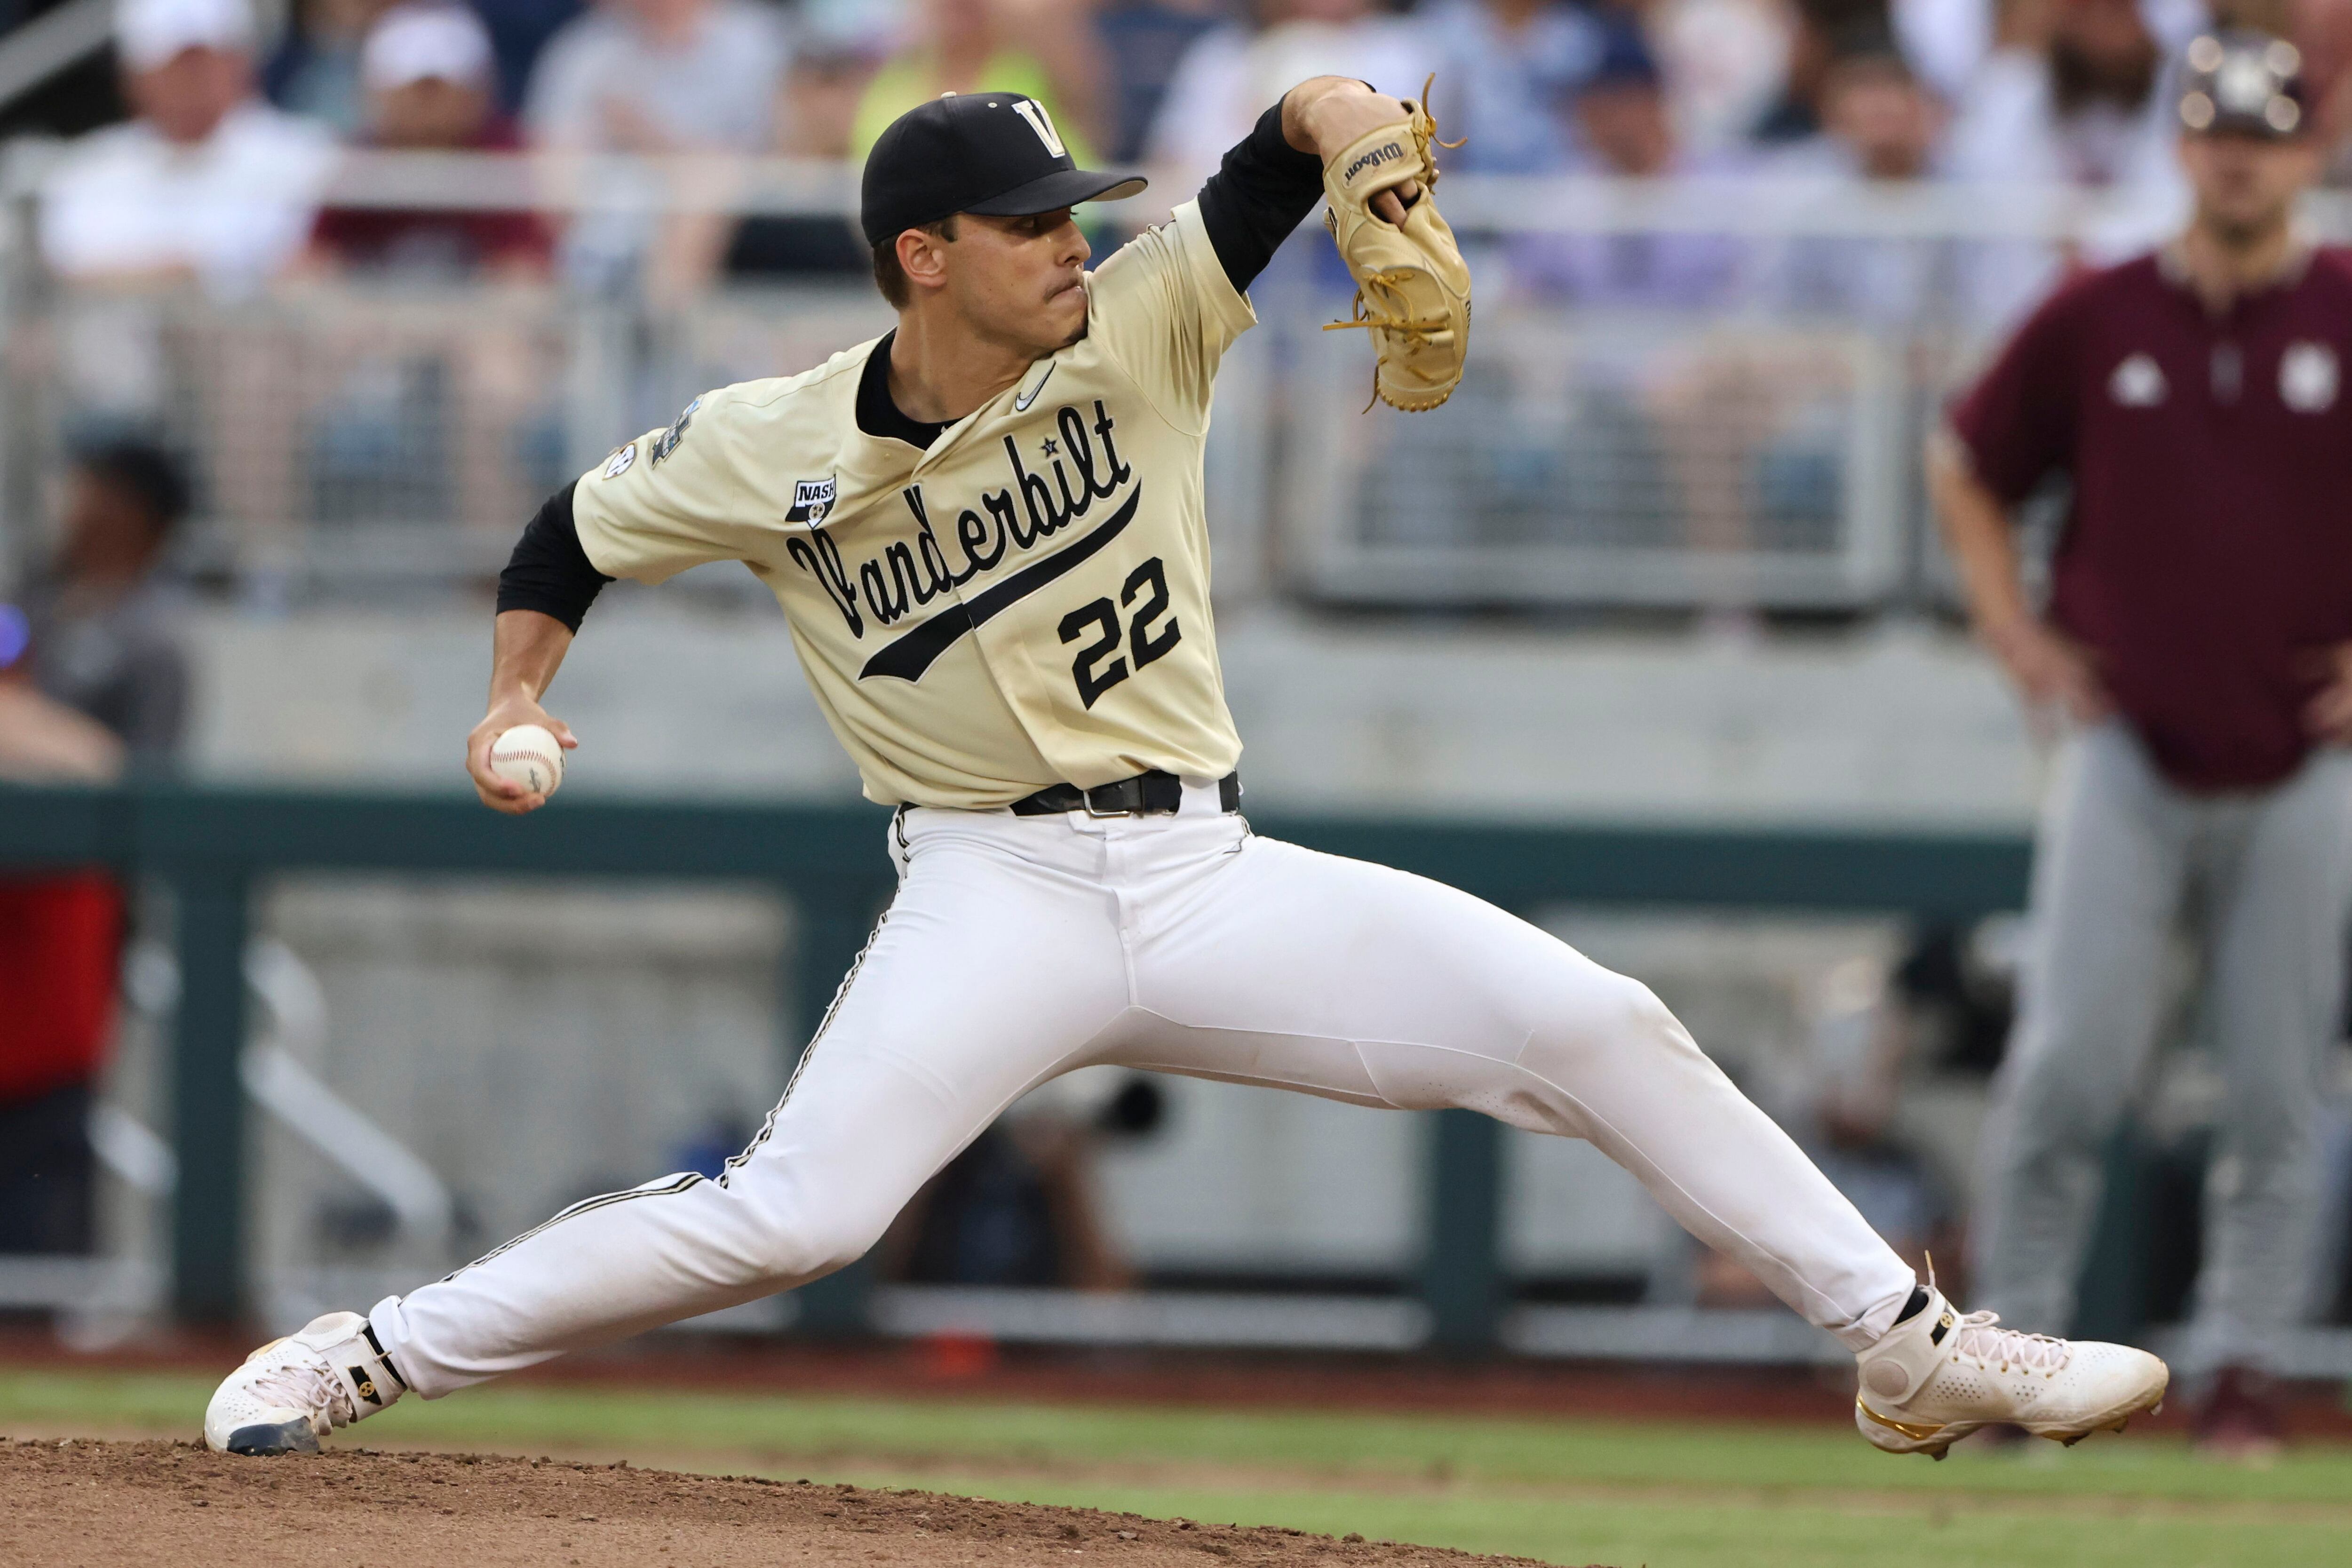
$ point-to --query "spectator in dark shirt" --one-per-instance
(103, 627)
(1142, 41)
(816, 108)
(91, 675)
(426, 71)
(315, 70)
(519, 29)
(1812, 45)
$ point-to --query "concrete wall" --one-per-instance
(1895, 724)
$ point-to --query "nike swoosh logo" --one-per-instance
(1021, 405)
(910, 655)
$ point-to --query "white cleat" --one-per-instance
(1939, 1375)
(292, 1391)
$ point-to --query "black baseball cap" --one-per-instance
(992, 152)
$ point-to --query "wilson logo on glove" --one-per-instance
(1373, 159)
(1413, 288)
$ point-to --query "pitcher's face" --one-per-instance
(1020, 279)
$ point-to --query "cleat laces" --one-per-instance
(1981, 1338)
(309, 1387)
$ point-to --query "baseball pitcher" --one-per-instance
(985, 530)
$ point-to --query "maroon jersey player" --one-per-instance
(2198, 644)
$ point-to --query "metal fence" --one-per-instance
(1598, 459)
(1735, 425)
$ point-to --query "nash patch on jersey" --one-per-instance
(1081, 467)
(812, 501)
(667, 442)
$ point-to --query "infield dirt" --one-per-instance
(79, 1502)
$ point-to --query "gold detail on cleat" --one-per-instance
(1916, 1432)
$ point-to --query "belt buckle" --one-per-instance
(1087, 799)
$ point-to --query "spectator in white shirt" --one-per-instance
(2074, 95)
(2075, 99)
(1727, 64)
(207, 182)
(1944, 40)
(1227, 77)
(657, 78)
(660, 75)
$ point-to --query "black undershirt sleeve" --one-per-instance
(1251, 204)
(548, 571)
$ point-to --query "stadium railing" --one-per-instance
(1746, 442)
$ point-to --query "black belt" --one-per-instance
(1154, 793)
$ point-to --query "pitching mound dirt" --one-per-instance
(87, 1503)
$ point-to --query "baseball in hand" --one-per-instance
(530, 756)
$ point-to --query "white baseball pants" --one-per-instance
(1019, 948)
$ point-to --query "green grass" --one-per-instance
(1670, 1495)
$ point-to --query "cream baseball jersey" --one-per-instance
(1026, 603)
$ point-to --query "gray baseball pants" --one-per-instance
(2122, 852)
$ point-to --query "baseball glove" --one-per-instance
(1412, 290)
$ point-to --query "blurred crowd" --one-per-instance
(219, 168)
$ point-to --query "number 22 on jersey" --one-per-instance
(1145, 641)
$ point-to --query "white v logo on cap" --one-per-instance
(1030, 109)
